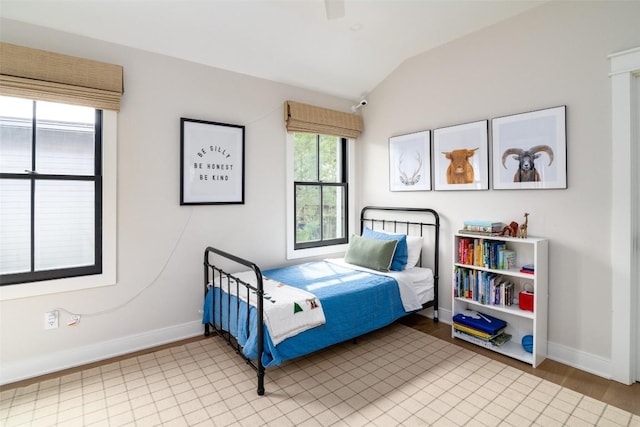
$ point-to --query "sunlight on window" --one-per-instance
(18, 108)
(21, 108)
(65, 113)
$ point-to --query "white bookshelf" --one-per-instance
(531, 250)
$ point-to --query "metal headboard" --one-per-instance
(413, 225)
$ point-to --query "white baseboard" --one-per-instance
(578, 359)
(29, 368)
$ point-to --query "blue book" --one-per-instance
(480, 321)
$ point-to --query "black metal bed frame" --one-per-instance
(226, 280)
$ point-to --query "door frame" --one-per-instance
(625, 75)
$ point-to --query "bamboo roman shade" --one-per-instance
(38, 74)
(308, 118)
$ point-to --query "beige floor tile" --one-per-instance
(458, 417)
(616, 415)
(398, 376)
(96, 416)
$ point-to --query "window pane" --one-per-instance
(333, 220)
(15, 226)
(307, 213)
(330, 164)
(16, 116)
(65, 113)
(305, 157)
(65, 139)
(64, 224)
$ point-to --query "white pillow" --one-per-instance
(414, 248)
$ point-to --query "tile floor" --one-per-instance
(395, 376)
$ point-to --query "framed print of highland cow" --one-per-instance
(461, 157)
(530, 150)
(410, 162)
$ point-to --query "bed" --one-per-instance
(280, 314)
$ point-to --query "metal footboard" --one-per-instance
(216, 275)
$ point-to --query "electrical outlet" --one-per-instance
(51, 320)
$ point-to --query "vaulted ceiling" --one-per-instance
(292, 42)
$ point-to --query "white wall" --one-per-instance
(158, 91)
(553, 55)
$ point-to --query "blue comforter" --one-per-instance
(354, 303)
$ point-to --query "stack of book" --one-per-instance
(485, 253)
(482, 227)
(528, 268)
(483, 287)
(480, 328)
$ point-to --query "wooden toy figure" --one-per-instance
(522, 231)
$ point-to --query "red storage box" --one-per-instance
(525, 300)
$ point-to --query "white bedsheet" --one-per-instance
(415, 284)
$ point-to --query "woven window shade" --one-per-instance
(38, 74)
(311, 119)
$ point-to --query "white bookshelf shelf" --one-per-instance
(520, 322)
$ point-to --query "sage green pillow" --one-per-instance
(371, 253)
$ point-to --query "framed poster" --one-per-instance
(461, 157)
(211, 163)
(530, 150)
(410, 162)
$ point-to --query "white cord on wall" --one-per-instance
(76, 316)
(151, 283)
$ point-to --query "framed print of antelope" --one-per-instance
(410, 162)
(461, 157)
(530, 150)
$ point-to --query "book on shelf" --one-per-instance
(507, 259)
(471, 338)
(481, 252)
(482, 286)
(480, 233)
(528, 268)
(503, 293)
(483, 226)
(501, 339)
(475, 332)
(480, 321)
(496, 342)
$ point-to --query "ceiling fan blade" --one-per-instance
(334, 8)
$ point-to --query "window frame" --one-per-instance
(327, 247)
(33, 178)
(109, 229)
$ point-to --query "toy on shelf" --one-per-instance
(515, 230)
(522, 231)
(510, 230)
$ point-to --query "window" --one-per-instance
(50, 191)
(320, 190)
